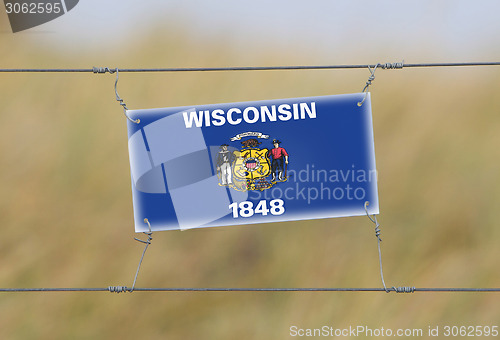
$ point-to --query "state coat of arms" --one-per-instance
(252, 167)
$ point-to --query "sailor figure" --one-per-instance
(278, 154)
(224, 159)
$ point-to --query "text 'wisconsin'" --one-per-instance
(250, 115)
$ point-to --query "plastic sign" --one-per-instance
(252, 162)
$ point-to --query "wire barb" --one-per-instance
(102, 70)
(404, 289)
(117, 289)
(392, 66)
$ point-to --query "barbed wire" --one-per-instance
(120, 289)
(398, 65)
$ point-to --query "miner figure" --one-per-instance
(277, 156)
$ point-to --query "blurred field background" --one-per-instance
(66, 207)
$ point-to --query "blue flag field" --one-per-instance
(252, 162)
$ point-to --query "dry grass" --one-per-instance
(66, 210)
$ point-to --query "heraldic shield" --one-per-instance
(250, 167)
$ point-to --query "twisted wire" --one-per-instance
(147, 242)
(377, 234)
(404, 289)
(369, 82)
(103, 70)
(379, 239)
(117, 289)
(118, 99)
(392, 66)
